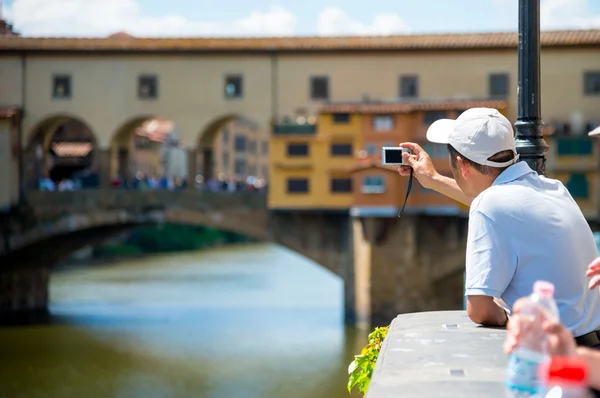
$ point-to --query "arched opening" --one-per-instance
(147, 152)
(61, 154)
(233, 152)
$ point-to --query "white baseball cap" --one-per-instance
(477, 134)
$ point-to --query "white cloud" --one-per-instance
(568, 14)
(334, 21)
(554, 14)
(103, 17)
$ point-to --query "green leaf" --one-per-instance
(361, 369)
(352, 367)
(353, 379)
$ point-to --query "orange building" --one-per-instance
(379, 190)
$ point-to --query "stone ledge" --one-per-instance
(439, 354)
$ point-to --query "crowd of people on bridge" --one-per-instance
(523, 227)
(142, 181)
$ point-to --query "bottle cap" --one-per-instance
(561, 370)
(543, 288)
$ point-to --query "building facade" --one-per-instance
(112, 84)
(241, 150)
(336, 164)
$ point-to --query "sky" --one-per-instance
(235, 18)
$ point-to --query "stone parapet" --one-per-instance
(439, 354)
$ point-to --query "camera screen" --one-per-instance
(393, 155)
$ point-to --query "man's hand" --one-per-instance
(593, 272)
(420, 162)
(560, 339)
(428, 177)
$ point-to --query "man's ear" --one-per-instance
(463, 167)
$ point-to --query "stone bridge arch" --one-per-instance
(72, 215)
(61, 136)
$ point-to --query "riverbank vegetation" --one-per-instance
(166, 238)
(361, 369)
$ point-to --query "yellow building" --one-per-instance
(574, 160)
(310, 164)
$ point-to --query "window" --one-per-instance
(373, 184)
(498, 85)
(265, 147)
(251, 146)
(319, 87)
(147, 87)
(409, 86)
(591, 83)
(233, 86)
(240, 166)
(339, 185)
(225, 160)
(371, 149)
(265, 172)
(340, 118)
(61, 86)
(252, 170)
(340, 150)
(297, 149)
(383, 123)
(239, 143)
(431, 116)
(225, 136)
(297, 185)
(578, 186)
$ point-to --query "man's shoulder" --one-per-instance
(497, 198)
(510, 195)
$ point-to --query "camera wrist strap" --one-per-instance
(408, 188)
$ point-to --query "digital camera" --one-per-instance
(392, 156)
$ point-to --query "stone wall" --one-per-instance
(416, 264)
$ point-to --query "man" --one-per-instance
(522, 227)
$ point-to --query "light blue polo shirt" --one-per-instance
(525, 228)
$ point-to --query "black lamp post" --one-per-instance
(529, 140)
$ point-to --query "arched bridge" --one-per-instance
(388, 266)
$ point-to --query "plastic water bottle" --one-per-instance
(523, 363)
(564, 377)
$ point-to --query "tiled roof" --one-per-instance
(411, 106)
(123, 42)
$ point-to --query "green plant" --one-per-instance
(361, 369)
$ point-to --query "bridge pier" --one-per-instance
(23, 291)
(409, 265)
(389, 266)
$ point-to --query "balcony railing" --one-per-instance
(292, 128)
(574, 146)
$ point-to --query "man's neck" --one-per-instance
(482, 182)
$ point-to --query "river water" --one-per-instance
(238, 322)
